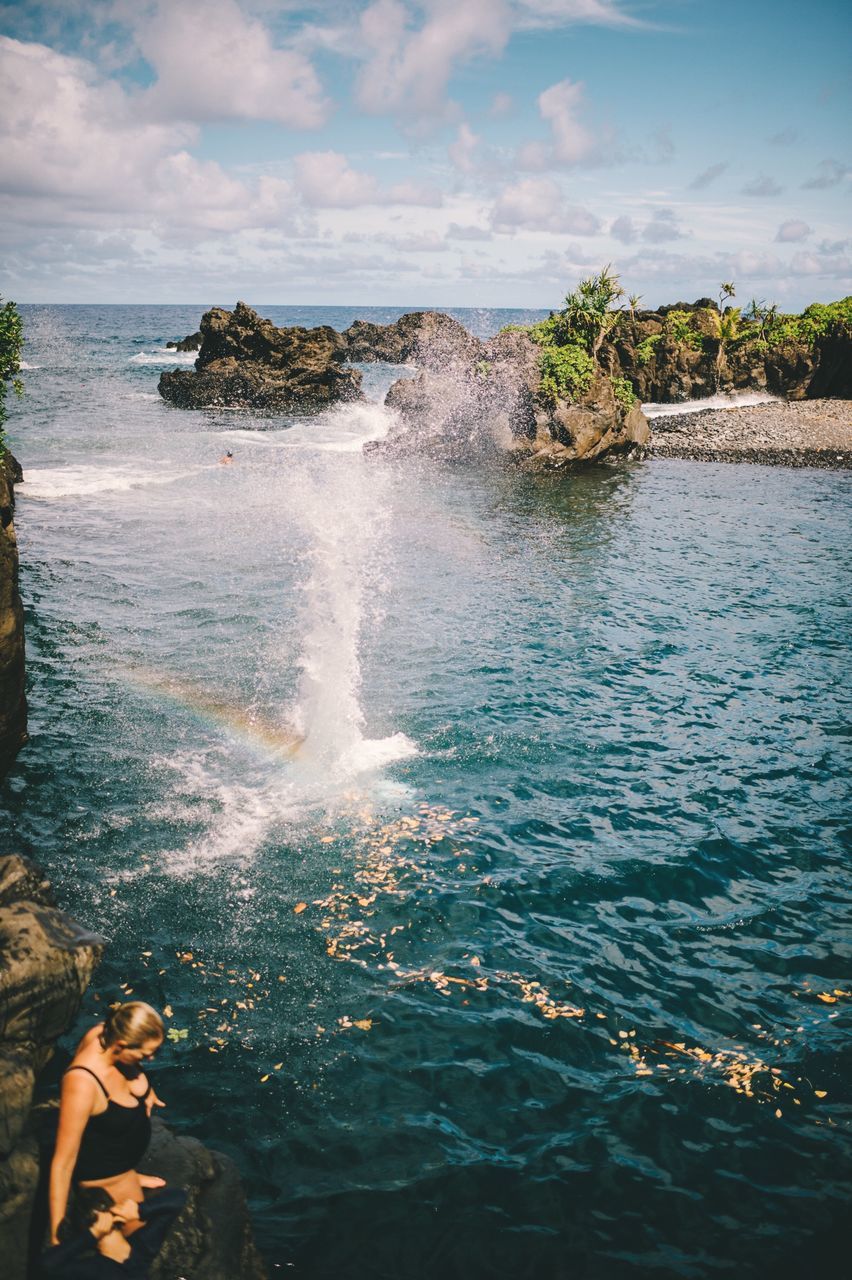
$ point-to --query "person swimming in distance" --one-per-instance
(95, 1240)
(105, 1110)
(226, 459)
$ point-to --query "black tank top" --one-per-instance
(113, 1141)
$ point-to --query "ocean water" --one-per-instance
(484, 836)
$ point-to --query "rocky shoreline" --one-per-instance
(803, 433)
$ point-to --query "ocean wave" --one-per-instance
(164, 356)
(729, 400)
(46, 483)
(26, 367)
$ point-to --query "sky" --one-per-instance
(424, 152)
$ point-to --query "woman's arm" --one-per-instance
(75, 1108)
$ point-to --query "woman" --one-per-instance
(104, 1115)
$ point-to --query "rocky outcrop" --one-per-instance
(248, 362)
(13, 705)
(484, 398)
(669, 361)
(192, 342)
(46, 962)
(212, 1239)
(429, 339)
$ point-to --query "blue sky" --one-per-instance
(423, 152)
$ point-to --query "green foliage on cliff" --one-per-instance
(566, 373)
(587, 314)
(623, 391)
(645, 349)
(680, 328)
(11, 346)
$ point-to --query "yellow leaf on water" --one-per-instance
(779, 1113)
(363, 1023)
(820, 1093)
(168, 1011)
(826, 998)
(300, 907)
(327, 840)
(263, 1079)
(278, 1066)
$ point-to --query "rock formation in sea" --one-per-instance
(473, 398)
(191, 342)
(13, 704)
(248, 362)
(47, 962)
(688, 351)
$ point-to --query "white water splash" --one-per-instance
(46, 483)
(343, 509)
(164, 356)
(729, 400)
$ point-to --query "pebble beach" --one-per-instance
(802, 433)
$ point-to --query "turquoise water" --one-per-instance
(569, 820)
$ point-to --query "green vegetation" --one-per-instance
(587, 314)
(566, 372)
(645, 349)
(623, 391)
(11, 346)
(679, 327)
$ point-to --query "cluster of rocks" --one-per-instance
(467, 398)
(245, 361)
(665, 369)
(805, 433)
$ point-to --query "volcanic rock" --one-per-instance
(13, 704)
(597, 426)
(245, 361)
(191, 342)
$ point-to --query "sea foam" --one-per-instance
(729, 400)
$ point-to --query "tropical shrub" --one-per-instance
(11, 346)
(646, 348)
(566, 373)
(623, 391)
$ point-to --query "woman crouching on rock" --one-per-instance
(105, 1111)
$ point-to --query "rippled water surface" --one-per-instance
(484, 834)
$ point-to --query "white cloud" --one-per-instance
(560, 13)
(462, 152)
(570, 142)
(76, 151)
(538, 204)
(214, 63)
(455, 231)
(793, 230)
(406, 70)
(501, 104)
(662, 227)
(326, 180)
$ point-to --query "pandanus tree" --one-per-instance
(587, 314)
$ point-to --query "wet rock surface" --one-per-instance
(809, 433)
(248, 362)
(192, 342)
(13, 705)
(46, 961)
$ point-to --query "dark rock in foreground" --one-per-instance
(248, 362)
(13, 705)
(47, 962)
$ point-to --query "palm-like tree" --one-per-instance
(587, 312)
(726, 291)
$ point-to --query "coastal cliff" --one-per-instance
(13, 704)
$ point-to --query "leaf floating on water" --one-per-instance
(363, 1023)
(263, 1079)
(826, 998)
(174, 1034)
(168, 1011)
(820, 1093)
(299, 908)
(327, 840)
(779, 1113)
(278, 1066)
